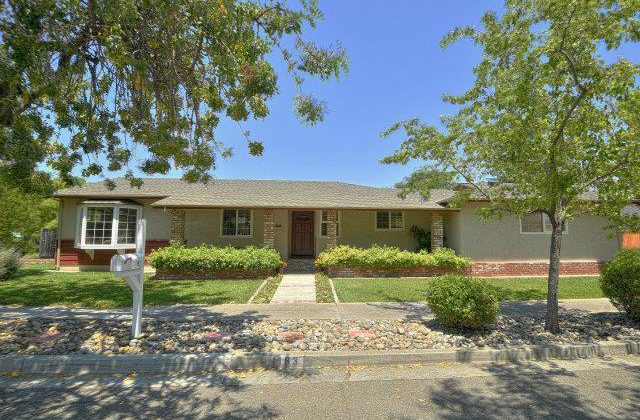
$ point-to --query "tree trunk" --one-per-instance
(551, 321)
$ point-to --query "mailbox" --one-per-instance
(121, 263)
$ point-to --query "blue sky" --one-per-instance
(397, 71)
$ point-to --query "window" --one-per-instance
(107, 226)
(324, 223)
(237, 222)
(537, 222)
(389, 220)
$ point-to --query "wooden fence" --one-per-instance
(48, 243)
(630, 240)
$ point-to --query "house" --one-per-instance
(302, 218)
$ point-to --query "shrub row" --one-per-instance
(390, 257)
(211, 258)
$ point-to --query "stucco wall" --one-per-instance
(501, 240)
(204, 226)
(158, 222)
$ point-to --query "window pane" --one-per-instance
(532, 222)
(127, 226)
(395, 220)
(323, 229)
(229, 222)
(324, 216)
(98, 227)
(244, 223)
(382, 220)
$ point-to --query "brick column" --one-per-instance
(177, 225)
(437, 231)
(269, 230)
(332, 229)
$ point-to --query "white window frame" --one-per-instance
(389, 229)
(338, 222)
(250, 235)
(81, 225)
(545, 222)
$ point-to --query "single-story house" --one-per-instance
(302, 218)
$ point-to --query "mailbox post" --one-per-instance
(131, 267)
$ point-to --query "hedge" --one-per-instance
(211, 258)
(620, 282)
(386, 257)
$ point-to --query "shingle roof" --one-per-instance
(172, 192)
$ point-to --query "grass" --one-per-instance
(413, 290)
(266, 293)
(35, 287)
(323, 289)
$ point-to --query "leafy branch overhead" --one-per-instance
(128, 79)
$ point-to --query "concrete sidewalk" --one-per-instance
(341, 311)
(296, 288)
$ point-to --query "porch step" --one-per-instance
(300, 266)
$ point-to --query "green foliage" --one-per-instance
(158, 74)
(552, 117)
(9, 263)
(24, 213)
(207, 258)
(422, 237)
(620, 282)
(462, 302)
(389, 257)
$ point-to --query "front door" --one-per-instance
(302, 234)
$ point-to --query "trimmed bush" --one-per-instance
(386, 257)
(9, 263)
(620, 282)
(462, 302)
(211, 258)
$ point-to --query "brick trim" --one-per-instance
(269, 229)
(70, 256)
(169, 274)
(533, 268)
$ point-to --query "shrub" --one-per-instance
(422, 236)
(210, 258)
(386, 257)
(620, 282)
(9, 262)
(459, 301)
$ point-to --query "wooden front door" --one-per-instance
(302, 234)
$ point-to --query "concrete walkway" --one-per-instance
(296, 288)
(341, 311)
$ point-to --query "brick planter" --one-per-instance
(169, 274)
(358, 271)
(533, 268)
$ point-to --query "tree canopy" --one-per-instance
(551, 123)
(153, 78)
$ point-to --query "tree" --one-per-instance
(550, 122)
(156, 74)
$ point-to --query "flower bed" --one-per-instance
(377, 261)
(209, 262)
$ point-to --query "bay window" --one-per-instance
(107, 225)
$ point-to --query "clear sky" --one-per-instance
(397, 71)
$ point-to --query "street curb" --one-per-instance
(181, 363)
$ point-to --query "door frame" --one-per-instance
(313, 233)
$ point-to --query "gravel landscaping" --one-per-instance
(107, 337)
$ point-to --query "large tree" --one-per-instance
(551, 122)
(154, 76)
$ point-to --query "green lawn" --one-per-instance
(268, 290)
(323, 289)
(34, 287)
(413, 290)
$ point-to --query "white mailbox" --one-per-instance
(131, 267)
(123, 263)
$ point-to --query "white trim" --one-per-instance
(81, 225)
(389, 229)
(544, 224)
(222, 235)
(338, 222)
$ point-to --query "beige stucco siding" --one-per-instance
(501, 240)
(358, 227)
(204, 226)
(158, 222)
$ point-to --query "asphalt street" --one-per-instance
(584, 389)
